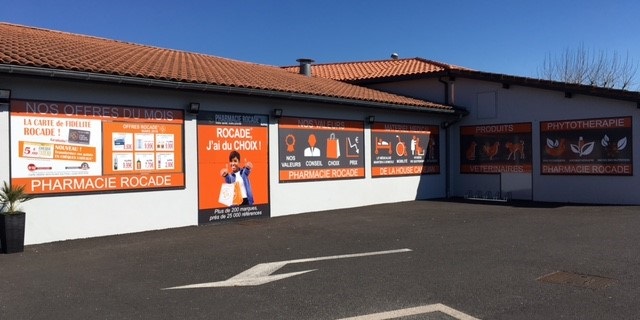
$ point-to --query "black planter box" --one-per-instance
(12, 232)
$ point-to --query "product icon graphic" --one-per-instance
(582, 148)
(118, 142)
(471, 151)
(613, 148)
(382, 145)
(80, 136)
(227, 192)
(290, 141)
(401, 148)
(333, 147)
(352, 151)
(555, 148)
(491, 150)
(515, 149)
(312, 151)
(416, 148)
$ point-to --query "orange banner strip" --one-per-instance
(588, 169)
(495, 168)
(87, 111)
(381, 127)
(585, 124)
(51, 185)
(493, 129)
(320, 124)
(404, 170)
(321, 174)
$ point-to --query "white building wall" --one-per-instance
(526, 104)
(426, 89)
(53, 218)
(298, 197)
(4, 142)
(73, 216)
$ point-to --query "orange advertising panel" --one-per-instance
(319, 174)
(58, 151)
(233, 166)
(141, 147)
(46, 185)
(320, 149)
(496, 148)
(587, 147)
(403, 170)
(66, 147)
(401, 149)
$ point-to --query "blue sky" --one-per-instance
(510, 37)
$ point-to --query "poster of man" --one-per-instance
(233, 166)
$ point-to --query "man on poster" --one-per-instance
(239, 176)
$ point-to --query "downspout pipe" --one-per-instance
(446, 89)
(222, 89)
(446, 125)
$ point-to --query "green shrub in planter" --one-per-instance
(12, 219)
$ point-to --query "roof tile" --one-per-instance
(365, 70)
(42, 48)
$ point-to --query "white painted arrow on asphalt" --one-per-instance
(261, 273)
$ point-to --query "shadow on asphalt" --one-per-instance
(518, 203)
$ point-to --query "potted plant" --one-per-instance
(12, 219)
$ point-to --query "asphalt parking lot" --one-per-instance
(441, 259)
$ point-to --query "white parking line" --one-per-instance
(262, 273)
(438, 307)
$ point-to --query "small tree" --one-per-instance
(582, 66)
(11, 197)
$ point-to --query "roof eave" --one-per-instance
(406, 77)
(567, 88)
(571, 88)
(244, 91)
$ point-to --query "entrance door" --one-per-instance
(518, 185)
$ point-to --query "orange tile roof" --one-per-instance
(361, 72)
(42, 48)
(367, 70)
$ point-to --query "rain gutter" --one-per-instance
(129, 80)
(446, 126)
(446, 89)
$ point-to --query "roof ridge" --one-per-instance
(430, 61)
(377, 69)
(442, 64)
(355, 62)
(73, 34)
